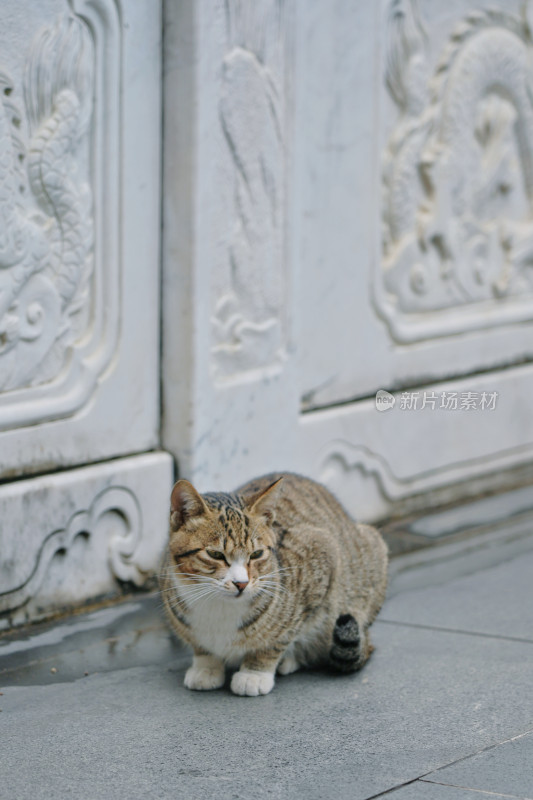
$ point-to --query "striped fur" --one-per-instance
(313, 581)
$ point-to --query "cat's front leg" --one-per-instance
(207, 672)
(256, 675)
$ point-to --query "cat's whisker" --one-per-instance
(262, 590)
(198, 576)
(194, 600)
(270, 579)
(194, 574)
(188, 600)
(183, 589)
(189, 587)
(176, 571)
(274, 586)
(181, 585)
(199, 592)
(199, 582)
(195, 590)
(284, 569)
(281, 571)
(203, 598)
(268, 588)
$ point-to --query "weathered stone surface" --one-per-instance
(79, 231)
(80, 142)
(343, 213)
(81, 534)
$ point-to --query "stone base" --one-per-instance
(82, 534)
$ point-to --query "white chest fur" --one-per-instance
(215, 623)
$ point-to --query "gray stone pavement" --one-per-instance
(94, 707)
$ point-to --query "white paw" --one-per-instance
(288, 664)
(204, 678)
(252, 682)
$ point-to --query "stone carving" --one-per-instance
(458, 175)
(46, 228)
(247, 321)
(123, 543)
(342, 457)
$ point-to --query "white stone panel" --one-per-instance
(80, 144)
(249, 287)
(460, 433)
(79, 178)
(346, 330)
(226, 279)
(82, 534)
(416, 224)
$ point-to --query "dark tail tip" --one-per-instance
(345, 655)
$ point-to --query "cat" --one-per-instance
(273, 577)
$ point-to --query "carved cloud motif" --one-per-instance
(458, 169)
(125, 556)
(46, 233)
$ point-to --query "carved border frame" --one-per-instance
(76, 383)
(406, 328)
(423, 326)
(394, 488)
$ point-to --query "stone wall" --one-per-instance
(79, 303)
(348, 209)
(310, 223)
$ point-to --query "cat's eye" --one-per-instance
(257, 554)
(216, 554)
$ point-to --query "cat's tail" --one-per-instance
(351, 645)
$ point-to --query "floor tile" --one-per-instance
(507, 768)
(492, 601)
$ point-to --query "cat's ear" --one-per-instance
(264, 502)
(185, 503)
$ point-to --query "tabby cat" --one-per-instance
(271, 578)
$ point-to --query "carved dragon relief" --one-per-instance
(458, 174)
(46, 228)
(247, 321)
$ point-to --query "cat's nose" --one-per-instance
(241, 585)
